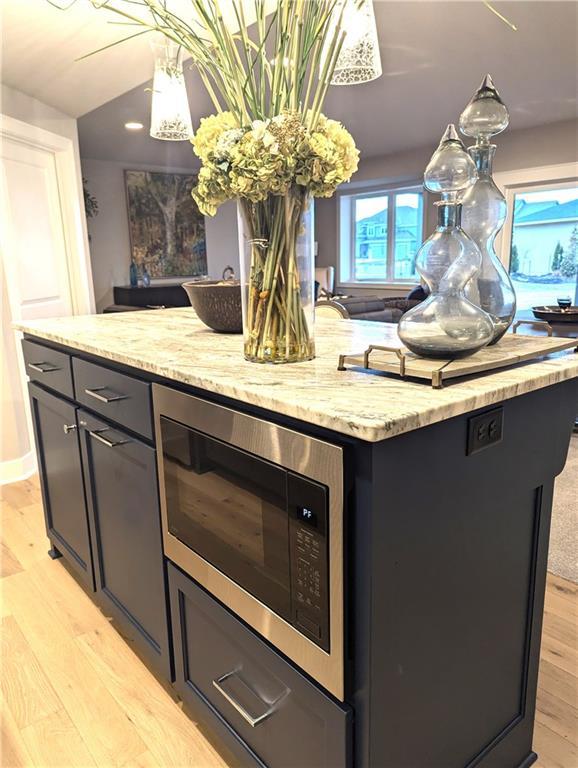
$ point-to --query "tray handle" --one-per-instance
(546, 326)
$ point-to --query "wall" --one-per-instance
(16, 453)
(110, 244)
(528, 148)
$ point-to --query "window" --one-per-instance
(544, 244)
(380, 234)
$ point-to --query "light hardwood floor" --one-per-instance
(75, 695)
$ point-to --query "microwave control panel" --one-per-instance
(308, 539)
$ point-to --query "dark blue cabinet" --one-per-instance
(124, 516)
(61, 482)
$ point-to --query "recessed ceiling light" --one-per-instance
(134, 126)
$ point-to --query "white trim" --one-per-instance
(71, 196)
(510, 181)
(18, 469)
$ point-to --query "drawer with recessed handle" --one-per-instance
(48, 367)
(269, 712)
(117, 396)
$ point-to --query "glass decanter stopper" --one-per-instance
(447, 324)
(484, 209)
(486, 114)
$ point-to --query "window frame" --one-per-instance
(511, 183)
(346, 233)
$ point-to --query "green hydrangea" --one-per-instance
(268, 157)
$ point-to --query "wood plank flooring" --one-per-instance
(74, 694)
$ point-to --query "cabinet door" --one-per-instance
(59, 464)
(124, 515)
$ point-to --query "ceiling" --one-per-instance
(434, 55)
(41, 45)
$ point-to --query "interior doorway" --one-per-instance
(45, 263)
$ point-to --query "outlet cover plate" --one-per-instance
(484, 430)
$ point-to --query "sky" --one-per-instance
(367, 206)
(559, 195)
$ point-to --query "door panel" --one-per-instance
(39, 271)
(61, 478)
(122, 496)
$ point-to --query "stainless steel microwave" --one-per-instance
(254, 513)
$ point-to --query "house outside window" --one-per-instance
(544, 245)
(380, 234)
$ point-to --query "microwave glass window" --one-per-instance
(230, 508)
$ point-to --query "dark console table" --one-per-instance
(127, 298)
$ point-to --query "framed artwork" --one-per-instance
(167, 230)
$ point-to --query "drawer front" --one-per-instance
(283, 719)
(122, 398)
(48, 367)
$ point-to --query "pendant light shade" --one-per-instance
(170, 112)
(359, 60)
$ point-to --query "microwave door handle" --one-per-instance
(253, 721)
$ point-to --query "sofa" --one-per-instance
(381, 310)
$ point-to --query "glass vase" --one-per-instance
(483, 214)
(276, 239)
(446, 324)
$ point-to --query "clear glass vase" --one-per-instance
(483, 215)
(277, 269)
(446, 324)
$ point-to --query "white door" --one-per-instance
(34, 248)
(44, 263)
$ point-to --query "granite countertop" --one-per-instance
(174, 344)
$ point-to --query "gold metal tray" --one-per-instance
(510, 350)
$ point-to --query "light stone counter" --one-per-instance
(174, 344)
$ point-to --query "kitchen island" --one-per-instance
(436, 561)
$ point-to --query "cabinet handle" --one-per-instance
(97, 434)
(42, 367)
(103, 398)
(68, 428)
(253, 721)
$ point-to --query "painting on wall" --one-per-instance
(167, 230)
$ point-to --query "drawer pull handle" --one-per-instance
(43, 367)
(253, 721)
(97, 434)
(68, 428)
(103, 398)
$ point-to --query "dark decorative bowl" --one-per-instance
(217, 303)
(554, 314)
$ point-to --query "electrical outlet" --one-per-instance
(485, 430)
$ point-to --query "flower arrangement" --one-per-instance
(270, 157)
(272, 166)
(268, 145)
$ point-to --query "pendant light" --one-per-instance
(170, 112)
(359, 60)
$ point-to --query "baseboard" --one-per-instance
(18, 469)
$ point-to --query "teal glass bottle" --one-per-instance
(133, 274)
